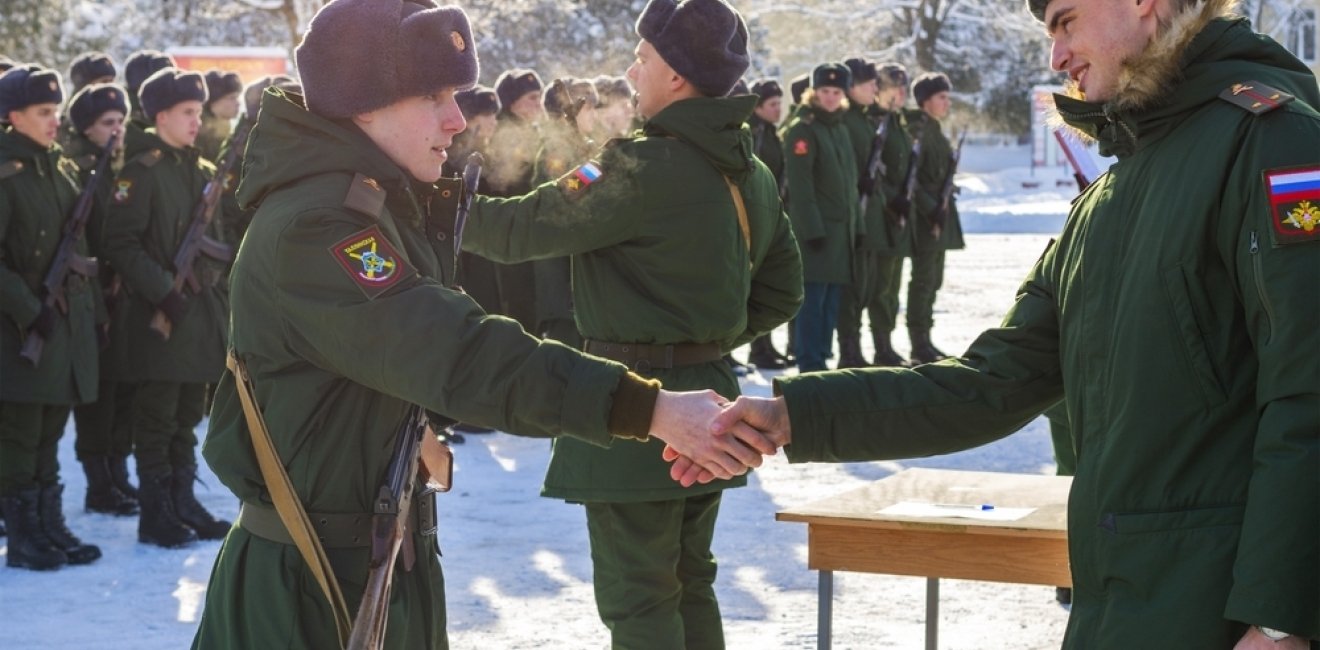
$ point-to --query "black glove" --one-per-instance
(900, 206)
(865, 185)
(817, 244)
(44, 323)
(174, 305)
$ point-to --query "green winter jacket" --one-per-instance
(1177, 316)
(821, 170)
(337, 348)
(936, 153)
(658, 258)
(38, 189)
(562, 149)
(768, 147)
(151, 209)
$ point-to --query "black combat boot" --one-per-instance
(885, 356)
(739, 368)
(158, 524)
(29, 547)
(52, 523)
(102, 494)
(850, 353)
(764, 355)
(923, 351)
(119, 474)
(190, 511)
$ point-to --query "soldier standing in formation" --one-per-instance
(860, 120)
(223, 90)
(236, 219)
(511, 166)
(891, 242)
(140, 65)
(151, 210)
(767, 146)
(38, 189)
(86, 69)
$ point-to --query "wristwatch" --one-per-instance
(1273, 634)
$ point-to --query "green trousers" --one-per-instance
(654, 573)
(927, 278)
(164, 415)
(1061, 437)
(29, 445)
(104, 427)
(880, 302)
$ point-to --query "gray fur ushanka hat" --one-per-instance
(705, 41)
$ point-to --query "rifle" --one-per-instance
(910, 183)
(66, 255)
(471, 178)
(875, 167)
(196, 241)
(389, 523)
(946, 191)
(1084, 168)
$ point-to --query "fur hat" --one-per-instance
(831, 74)
(798, 86)
(90, 66)
(221, 82)
(564, 94)
(766, 88)
(704, 41)
(478, 100)
(928, 84)
(613, 89)
(891, 74)
(93, 101)
(142, 64)
(515, 83)
(862, 70)
(361, 55)
(740, 88)
(25, 85)
(168, 88)
(252, 92)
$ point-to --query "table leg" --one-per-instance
(824, 610)
(932, 613)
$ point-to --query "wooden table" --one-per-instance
(846, 532)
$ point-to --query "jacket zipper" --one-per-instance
(1260, 284)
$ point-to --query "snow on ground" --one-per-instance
(518, 570)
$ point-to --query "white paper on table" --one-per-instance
(917, 509)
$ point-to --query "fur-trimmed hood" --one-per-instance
(1200, 51)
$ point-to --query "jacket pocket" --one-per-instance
(1138, 523)
(1190, 334)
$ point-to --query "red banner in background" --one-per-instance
(251, 63)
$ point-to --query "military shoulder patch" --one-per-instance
(149, 158)
(10, 168)
(366, 196)
(577, 181)
(1255, 97)
(1294, 195)
(123, 191)
(800, 147)
(371, 261)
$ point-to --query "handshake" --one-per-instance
(708, 437)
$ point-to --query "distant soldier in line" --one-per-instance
(935, 227)
(861, 121)
(796, 87)
(236, 219)
(617, 114)
(104, 427)
(223, 90)
(893, 240)
(151, 210)
(38, 189)
(140, 65)
(86, 69)
(822, 186)
(770, 149)
(510, 167)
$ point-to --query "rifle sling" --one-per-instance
(738, 204)
(286, 501)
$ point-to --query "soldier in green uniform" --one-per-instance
(338, 346)
(105, 433)
(890, 238)
(681, 252)
(764, 124)
(140, 65)
(236, 219)
(38, 188)
(223, 90)
(510, 167)
(822, 186)
(861, 120)
(616, 112)
(86, 69)
(935, 227)
(151, 211)
(1176, 316)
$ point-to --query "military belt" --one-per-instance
(334, 529)
(645, 357)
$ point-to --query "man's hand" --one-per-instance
(684, 422)
(744, 419)
(1254, 639)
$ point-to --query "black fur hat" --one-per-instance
(766, 88)
(831, 74)
(25, 85)
(168, 88)
(925, 86)
(361, 55)
(613, 89)
(220, 83)
(564, 94)
(96, 100)
(515, 83)
(799, 85)
(478, 100)
(252, 92)
(90, 66)
(704, 41)
(142, 64)
(862, 70)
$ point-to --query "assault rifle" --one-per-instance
(196, 241)
(1084, 168)
(910, 183)
(875, 167)
(471, 178)
(66, 255)
(947, 190)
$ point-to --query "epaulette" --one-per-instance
(366, 196)
(149, 158)
(1255, 97)
(10, 168)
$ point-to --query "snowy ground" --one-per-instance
(518, 571)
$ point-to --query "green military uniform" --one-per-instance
(212, 135)
(770, 150)
(1178, 310)
(562, 149)
(927, 250)
(151, 209)
(476, 275)
(334, 382)
(510, 167)
(38, 188)
(659, 259)
(821, 173)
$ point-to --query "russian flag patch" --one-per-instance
(578, 180)
(1294, 195)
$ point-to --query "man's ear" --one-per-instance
(364, 118)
